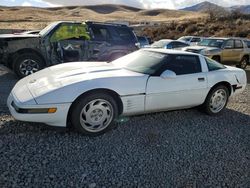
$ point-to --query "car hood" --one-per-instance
(79, 77)
(18, 35)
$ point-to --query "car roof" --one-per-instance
(93, 22)
(174, 52)
(165, 40)
(226, 38)
(192, 36)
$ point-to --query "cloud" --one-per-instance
(168, 4)
(26, 4)
(147, 4)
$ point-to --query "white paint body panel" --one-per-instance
(182, 91)
(60, 85)
(58, 119)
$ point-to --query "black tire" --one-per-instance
(216, 58)
(207, 106)
(36, 64)
(243, 63)
(82, 103)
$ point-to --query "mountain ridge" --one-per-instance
(206, 6)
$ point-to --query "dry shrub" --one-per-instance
(191, 29)
(239, 22)
(180, 28)
(237, 27)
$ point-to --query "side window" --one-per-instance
(70, 31)
(229, 44)
(238, 44)
(124, 34)
(184, 64)
(181, 45)
(248, 44)
(100, 33)
(213, 65)
(174, 44)
(195, 39)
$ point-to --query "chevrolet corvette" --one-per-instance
(90, 96)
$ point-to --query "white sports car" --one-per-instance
(91, 95)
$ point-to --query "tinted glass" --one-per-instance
(100, 33)
(143, 40)
(142, 61)
(229, 44)
(247, 43)
(238, 44)
(179, 45)
(196, 39)
(183, 64)
(213, 65)
(212, 43)
(125, 34)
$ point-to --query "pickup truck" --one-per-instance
(231, 51)
(67, 41)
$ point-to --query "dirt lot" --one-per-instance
(173, 149)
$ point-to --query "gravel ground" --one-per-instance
(173, 149)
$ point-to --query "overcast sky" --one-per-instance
(168, 4)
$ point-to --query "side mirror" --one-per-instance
(168, 74)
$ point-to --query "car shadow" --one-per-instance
(190, 117)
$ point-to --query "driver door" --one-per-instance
(187, 89)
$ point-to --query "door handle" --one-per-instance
(201, 79)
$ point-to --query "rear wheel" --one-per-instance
(94, 114)
(243, 63)
(216, 100)
(26, 64)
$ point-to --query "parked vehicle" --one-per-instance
(143, 41)
(247, 42)
(168, 44)
(224, 50)
(94, 94)
(66, 42)
(191, 40)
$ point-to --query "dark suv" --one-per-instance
(63, 42)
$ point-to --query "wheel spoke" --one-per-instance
(96, 115)
(218, 100)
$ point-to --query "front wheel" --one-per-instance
(216, 100)
(94, 114)
(26, 64)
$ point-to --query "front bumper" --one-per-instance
(59, 118)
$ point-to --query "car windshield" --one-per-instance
(142, 61)
(48, 28)
(211, 43)
(160, 43)
(186, 39)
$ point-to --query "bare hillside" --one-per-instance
(35, 18)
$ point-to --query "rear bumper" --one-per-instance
(59, 118)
